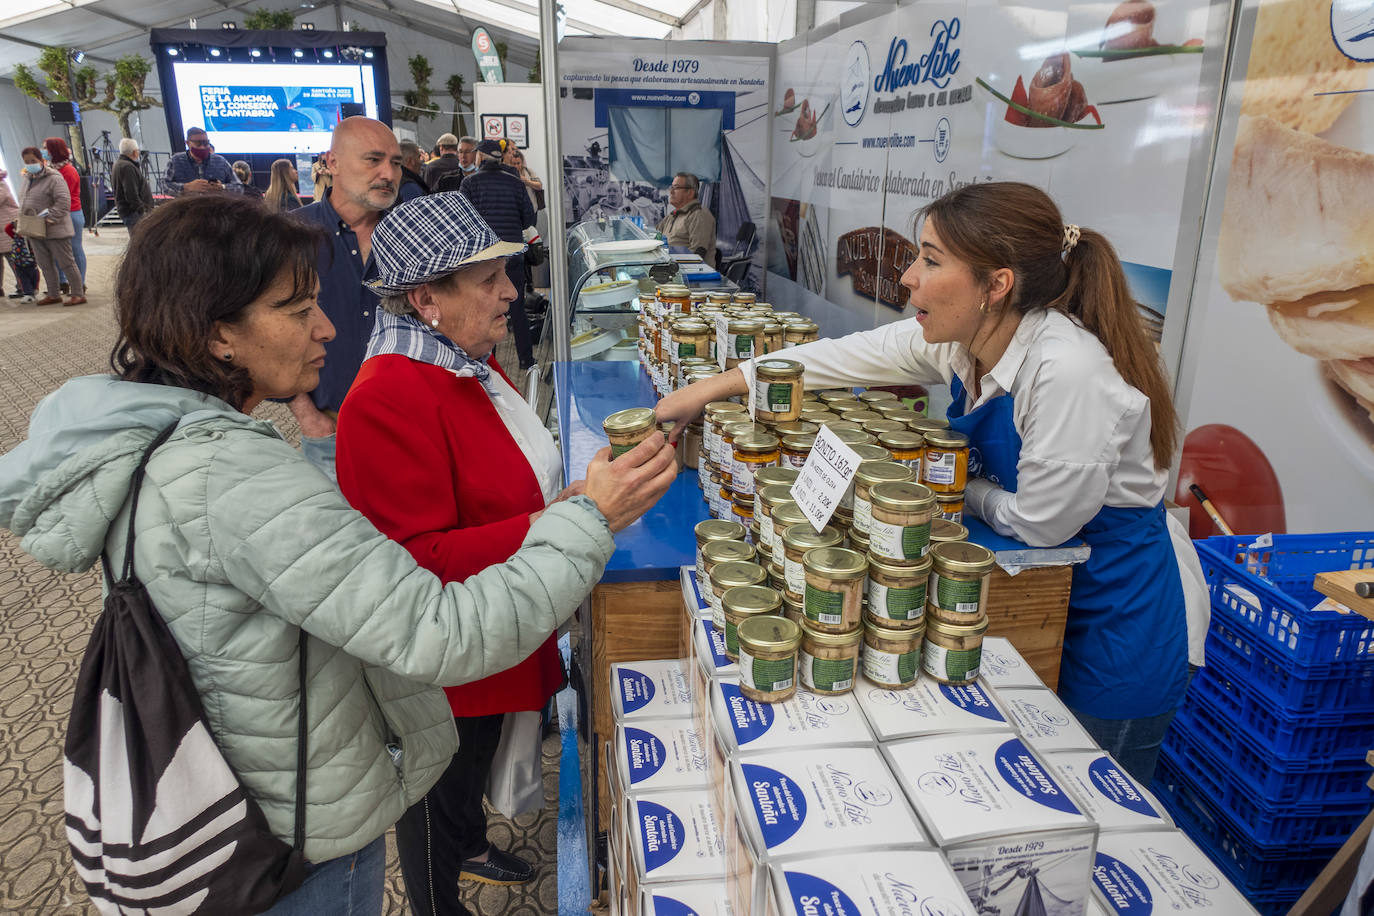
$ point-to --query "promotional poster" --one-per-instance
(1277, 388)
(1097, 103)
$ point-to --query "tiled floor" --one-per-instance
(45, 620)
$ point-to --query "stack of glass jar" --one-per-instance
(905, 593)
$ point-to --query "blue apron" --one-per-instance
(1126, 640)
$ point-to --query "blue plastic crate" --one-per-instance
(1228, 703)
(1268, 594)
(1252, 867)
(1262, 775)
(1334, 685)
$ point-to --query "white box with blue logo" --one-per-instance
(1012, 833)
(710, 664)
(658, 689)
(803, 803)
(1043, 720)
(672, 837)
(1002, 666)
(888, 882)
(697, 605)
(660, 755)
(1107, 792)
(928, 708)
(1146, 874)
(701, 899)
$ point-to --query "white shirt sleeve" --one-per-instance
(894, 354)
(1074, 426)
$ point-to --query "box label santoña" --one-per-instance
(662, 834)
(813, 896)
(806, 719)
(645, 752)
(927, 707)
(778, 803)
(1124, 889)
(1024, 773)
(1112, 783)
(1161, 872)
(636, 689)
(893, 882)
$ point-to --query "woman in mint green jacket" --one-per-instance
(242, 544)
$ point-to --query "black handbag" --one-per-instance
(156, 818)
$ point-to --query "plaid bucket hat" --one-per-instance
(428, 238)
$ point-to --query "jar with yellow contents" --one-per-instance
(752, 452)
(944, 465)
(906, 447)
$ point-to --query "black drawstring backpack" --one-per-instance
(156, 818)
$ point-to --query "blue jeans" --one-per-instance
(78, 251)
(320, 453)
(350, 885)
(1134, 743)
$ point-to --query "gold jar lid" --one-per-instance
(834, 395)
(801, 326)
(832, 640)
(696, 375)
(909, 569)
(860, 416)
(773, 368)
(894, 635)
(689, 326)
(942, 530)
(901, 440)
(737, 572)
(890, 409)
(835, 562)
(962, 558)
(717, 530)
(773, 495)
(715, 408)
(745, 326)
(801, 443)
(718, 296)
(881, 426)
(768, 633)
(787, 514)
(946, 438)
(756, 442)
(950, 497)
(796, 428)
(733, 429)
(868, 397)
(871, 451)
(925, 425)
(698, 296)
(752, 599)
(630, 421)
(872, 473)
(801, 536)
(906, 416)
(858, 540)
(674, 291)
(770, 326)
(767, 477)
(840, 424)
(900, 496)
(976, 628)
(745, 297)
(729, 551)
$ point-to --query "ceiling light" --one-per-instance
(368, 54)
(255, 53)
(298, 53)
(328, 54)
(215, 52)
(171, 52)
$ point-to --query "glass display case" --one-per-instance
(611, 261)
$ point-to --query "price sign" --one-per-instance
(828, 471)
(722, 341)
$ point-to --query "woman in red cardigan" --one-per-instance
(440, 452)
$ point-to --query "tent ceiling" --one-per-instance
(107, 29)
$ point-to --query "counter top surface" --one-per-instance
(659, 544)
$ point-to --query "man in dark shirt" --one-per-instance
(365, 162)
(412, 164)
(199, 168)
(448, 163)
(498, 194)
(133, 197)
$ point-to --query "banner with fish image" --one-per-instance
(1100, 104)
(1277, 381)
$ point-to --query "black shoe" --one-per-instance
(500, 868)
(66, 288)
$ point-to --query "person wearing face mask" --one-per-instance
(200, 168)
(1072, 425)
(55, 150)
(46, 196)
(364, 161)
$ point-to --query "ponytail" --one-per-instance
(1098, 296)
(991, 225)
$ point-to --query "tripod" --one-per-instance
(101, 158)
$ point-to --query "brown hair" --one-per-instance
(193, 262)
(999, 224)
(57, 149)
(281, 189)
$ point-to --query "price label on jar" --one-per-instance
(825, 477)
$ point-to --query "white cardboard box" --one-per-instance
(658, 755)
(710, 650)
(888, 882)
(672, 838)
(700, 899)
(1043, 720)
(1107, 792)
(928, 708)
(1002, 666)
(1161, 872)
(807, 720)
(998, 814)
(659, 689)
(800, 803)
(692, 595)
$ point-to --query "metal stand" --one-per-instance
(100, 158)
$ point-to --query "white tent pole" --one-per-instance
(557, 241)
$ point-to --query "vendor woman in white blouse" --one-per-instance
(1060, 391)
